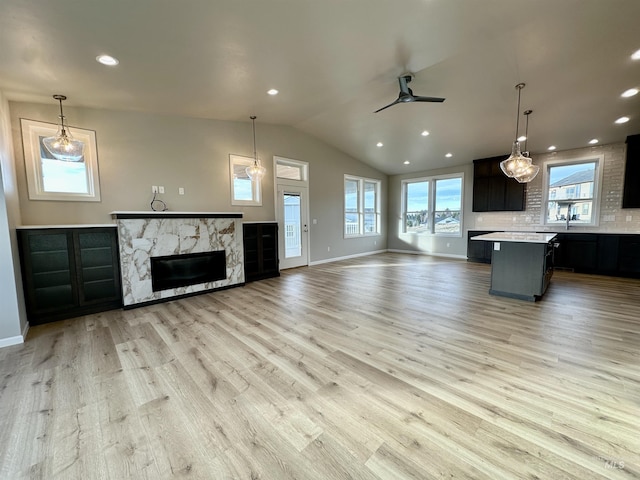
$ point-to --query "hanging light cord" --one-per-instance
(520, 86)
(60, 98)
(255, 154)
(526, 132)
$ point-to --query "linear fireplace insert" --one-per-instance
(173, 271)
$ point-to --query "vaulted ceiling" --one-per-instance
(335, 62)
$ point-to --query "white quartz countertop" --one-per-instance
(521, 237)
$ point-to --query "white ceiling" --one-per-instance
(336, 61)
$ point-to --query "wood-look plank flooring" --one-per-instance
(383, 367)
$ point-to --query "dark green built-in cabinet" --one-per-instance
(68, 272)
(260, 250)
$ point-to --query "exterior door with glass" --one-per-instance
(293, 226)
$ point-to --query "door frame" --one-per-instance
(280, 183)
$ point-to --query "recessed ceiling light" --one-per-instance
(449, 155)
(551, 148)
(379, 144)
(629, 93)
(273, 91)
(522, 138)
(593, 141)
(424, 133)
(636, 55)
(107, 60)
(407, 162)
(622, 120)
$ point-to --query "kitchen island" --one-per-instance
(521, 263)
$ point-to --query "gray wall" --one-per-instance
(137, 150)
(12, 312)
(423, 243)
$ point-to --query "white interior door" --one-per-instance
(293, 226)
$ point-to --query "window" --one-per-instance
(51, 179)
(433, 205)
(287, 169)
(571, 191)
(361, 206)
(244, 191)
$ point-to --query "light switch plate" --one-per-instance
(496, 246)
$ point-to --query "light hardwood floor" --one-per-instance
(383, 367)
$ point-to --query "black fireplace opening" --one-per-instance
(173, 271)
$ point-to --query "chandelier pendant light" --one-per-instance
(531, 171)
(63, 146)
(517, 164)
(255, 171)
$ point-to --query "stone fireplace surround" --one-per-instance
(142, 235)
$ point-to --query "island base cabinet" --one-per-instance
(521, 270)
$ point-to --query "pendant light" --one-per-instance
(532, 170)
(63, 146)
(255, 171)
(517, 163)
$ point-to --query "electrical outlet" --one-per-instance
(160, 189)
(180, 191)
(154, 189)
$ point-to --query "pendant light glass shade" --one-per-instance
(528, 174)
(517, 163)
(255, 171)
(531, 171)
(63, 146)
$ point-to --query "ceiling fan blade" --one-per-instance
(387, 106)
(428, 99)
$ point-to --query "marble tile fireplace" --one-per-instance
(165, 255)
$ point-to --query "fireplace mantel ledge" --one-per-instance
(128, 215)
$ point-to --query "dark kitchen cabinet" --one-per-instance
(577, 251)
(478, 250)
(493, 191)
(629, 255)
(631, 190)
(68, 272)
(260, 251)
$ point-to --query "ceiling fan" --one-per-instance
(406, 95)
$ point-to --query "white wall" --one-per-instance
(13, 322)
(137, 150)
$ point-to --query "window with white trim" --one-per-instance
(244, 190)
(361, 206)
(51, 179)
(433, 205)
(571, 191)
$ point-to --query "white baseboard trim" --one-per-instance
(17, 340)
(431, 254)
(346, 257)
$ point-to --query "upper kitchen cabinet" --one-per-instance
(493, 191)
(631, 192)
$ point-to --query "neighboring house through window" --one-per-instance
(571, 191)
